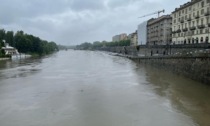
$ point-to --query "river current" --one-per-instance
(86, 88)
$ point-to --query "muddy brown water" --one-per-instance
(84, 88)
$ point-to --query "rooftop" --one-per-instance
(156, 20)
(186, 5)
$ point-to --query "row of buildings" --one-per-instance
(188, 24)
(133, 37)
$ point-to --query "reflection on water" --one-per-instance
(185, 95)
(84, 88)
(19, 68)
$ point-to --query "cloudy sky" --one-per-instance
(71, 22)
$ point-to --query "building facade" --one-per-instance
(159, 30)
(142, 33)
(191, 23)
(120, 37)
(133, 37)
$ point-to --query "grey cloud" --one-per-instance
(80, 5)
(14, 10)
(75, 21)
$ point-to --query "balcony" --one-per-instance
(189, 19)
(185, 29)
(182, 21)
(207, 13)
(192, 28)
(178, 31)
(201, 26)
(174, 32)
(197, 16)
(189, 33)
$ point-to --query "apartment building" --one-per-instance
(133, 37)
(159, 30)
(120, 37)
(191, 23)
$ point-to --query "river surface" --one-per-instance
(84, 88)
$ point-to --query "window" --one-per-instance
(202, 4)
(201, 39)
(207, 31)
(197, 22)
(202, 21)
(202, 11)
(201, 31)
(194, 8)
(207, 1)
(193, 23)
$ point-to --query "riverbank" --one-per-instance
(194, 67)
(1, 59)
(19, 56)
(191, 61)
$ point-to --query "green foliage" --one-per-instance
(9, 37)
(98, 45)
(2, 53)
(85, 46)
(30, 44)
(2, 34)
(26, 43)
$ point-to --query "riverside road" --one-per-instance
(85, 88)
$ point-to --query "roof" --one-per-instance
(186, 5)
(156, 20)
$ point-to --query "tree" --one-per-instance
(9, 37)
(2, 34)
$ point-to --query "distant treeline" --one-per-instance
(64, 47)
(26, 43)
(97, 45)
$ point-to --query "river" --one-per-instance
(85, 88)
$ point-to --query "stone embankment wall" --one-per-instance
(196, 68)
(192, 61)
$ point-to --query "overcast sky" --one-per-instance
(71, 22)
